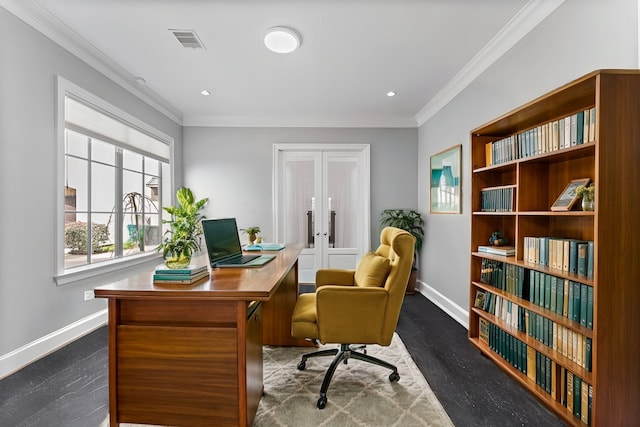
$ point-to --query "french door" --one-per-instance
(321, 197)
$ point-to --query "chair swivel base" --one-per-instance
(345, 353)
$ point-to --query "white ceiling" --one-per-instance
(353, 52)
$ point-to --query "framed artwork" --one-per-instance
(568, 197)
(446, 180)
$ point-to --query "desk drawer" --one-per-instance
(177, 376)
(177, 313)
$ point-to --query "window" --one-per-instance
(114, 175)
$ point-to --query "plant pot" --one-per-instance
(178, 262)
(587, 205)
(411, 284)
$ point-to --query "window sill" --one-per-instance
(108, 267)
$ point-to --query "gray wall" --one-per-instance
(243, 156)
(31, 305)
(579, 37)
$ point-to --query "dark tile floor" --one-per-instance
(69, 387)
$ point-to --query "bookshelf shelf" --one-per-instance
(593, 348)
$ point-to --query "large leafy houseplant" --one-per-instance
(412, 222)
(182, 239)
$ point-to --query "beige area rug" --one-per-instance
(360, 394)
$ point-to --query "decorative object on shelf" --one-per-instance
(252, 233)
(411, 221)
(183, 237)
(587, 194)
(446, 180)
(568, 197)
(497, 239)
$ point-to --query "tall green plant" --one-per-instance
(182, 239)
(405, 219)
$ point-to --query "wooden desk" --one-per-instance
(192, 355)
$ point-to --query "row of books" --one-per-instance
(504, 344)
(569, 343)
(498, 199)
(569, 255)
(566, 132)
(568, 298)
(180, 276)
(561, 384)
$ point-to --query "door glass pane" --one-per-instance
(342, 203)
(299, 203)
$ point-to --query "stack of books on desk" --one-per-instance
(180, 276)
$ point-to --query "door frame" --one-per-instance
(363, 150)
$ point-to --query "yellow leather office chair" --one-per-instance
(357, 307)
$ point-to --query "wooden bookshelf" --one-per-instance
(612, 161)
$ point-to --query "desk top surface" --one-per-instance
(256, 283)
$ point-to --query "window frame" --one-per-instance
(66, 88)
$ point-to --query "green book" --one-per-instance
(573, 256)
(532, 287)
(590, 307)
(554, 293)
(590, 250)
(583, 304)
(587, 361)
(570, 300)
(190, 270)
(559, 295)
(582, 259)
(547, 291)
(576, 302)
(577, 395)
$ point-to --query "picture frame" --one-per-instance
(568, 197)
(446, 180)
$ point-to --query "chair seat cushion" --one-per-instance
(372, 270)
(304, 321)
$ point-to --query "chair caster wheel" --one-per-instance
(301, 365)
(394, 376)
(322, 402)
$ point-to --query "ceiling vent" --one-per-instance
(188, 38)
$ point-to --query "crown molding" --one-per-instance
(41, 20)
(527, 18)
(300, 122)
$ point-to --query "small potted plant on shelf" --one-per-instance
(252, 232)
(182, 239)
(412, 222)
(587, 194)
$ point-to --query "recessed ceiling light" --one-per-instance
(282, 39)
(205, 92)
(391, 93)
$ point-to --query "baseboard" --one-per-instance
(29, 353)
(457, 313)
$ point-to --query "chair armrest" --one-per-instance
(334, 277)
(350, 314)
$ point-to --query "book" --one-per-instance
(480, 299)
(484, 331)
(190, 269)
(582, 259)
(168, 279)
(264, 247)
(498, 250)
(590, 250)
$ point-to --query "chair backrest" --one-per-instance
(398, 246)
